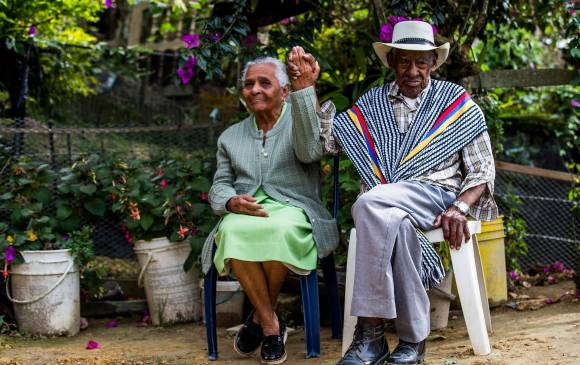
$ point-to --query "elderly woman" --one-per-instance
(273, 219)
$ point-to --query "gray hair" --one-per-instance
(280, 69)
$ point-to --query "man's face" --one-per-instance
(412, 69)
(262, 90)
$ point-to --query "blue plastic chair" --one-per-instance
(309, 291)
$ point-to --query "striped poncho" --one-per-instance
(446, 121)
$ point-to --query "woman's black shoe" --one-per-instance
(408, 353)
(249, 337)
(273, 350)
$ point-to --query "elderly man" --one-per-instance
(424, 157)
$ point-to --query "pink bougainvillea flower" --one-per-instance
(551, 280)
(204, 197)
(251, 40)
(10, 253)
(182, 231)
(215, 37)
(163, 184)
(185, 74)
(93, 345)
(112, 324)
(575, 103)
(549, 301)
(514, 275)
(191, 40)
(547, 269)
(558, 266)
(32, 31)
(108, 4)
(191, 62)
(386, 34)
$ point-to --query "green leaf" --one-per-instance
(63, 212)
(43, 195)
(43, 219)
(96, 206)
(26, 212)
(88, 189)
(70, 224)
(6, 196)
(198, 209)
(146, 221)
(23, 181)
(575, 52)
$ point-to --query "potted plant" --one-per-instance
(163, 207)
(42, 262)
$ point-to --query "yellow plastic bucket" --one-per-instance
(492, 251)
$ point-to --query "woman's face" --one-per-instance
(262, 90)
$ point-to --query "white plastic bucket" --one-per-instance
(172, 293)
(45, 293)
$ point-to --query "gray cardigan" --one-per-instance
(283, 167)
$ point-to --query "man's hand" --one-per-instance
(303, 69)
(454, 225)
(245, 204)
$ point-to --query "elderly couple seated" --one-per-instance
(424, 158)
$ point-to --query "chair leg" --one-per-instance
(465, 274)
(481, 280)
(209, 289)
(349, 321)
(328, 268)
(309, 289)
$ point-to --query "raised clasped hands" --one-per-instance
(303, 69)
(245, 204)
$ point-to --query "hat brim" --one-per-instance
(382, 49)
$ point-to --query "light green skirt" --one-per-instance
(284, 236)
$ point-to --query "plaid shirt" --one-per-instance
(470, 167)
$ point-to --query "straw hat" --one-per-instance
(412, 35)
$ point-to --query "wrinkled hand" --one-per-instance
(303, 69)
(245, 204)
(454, 225)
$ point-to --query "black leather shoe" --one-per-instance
(273, 350)
(249, 337)
(368, 346)
(408, 353)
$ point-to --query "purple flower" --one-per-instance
(92, 345)
(108, 4)
(558, 266)
(193, 231)
(514, 275)
(10, 253)
(251, 40)
(549, 301)
(32, 31)
(65, 238)
(191, 62)
(547, 269)
(575, 103)
(112, 324)
(386, 34)
(578, 294)
(185, 74)
(215, 37)
(191, 40)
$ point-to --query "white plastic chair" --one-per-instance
(468, 275)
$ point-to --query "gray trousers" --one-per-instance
(387, 282)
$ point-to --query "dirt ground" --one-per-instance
(549, 335)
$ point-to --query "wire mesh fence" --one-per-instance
(162, 128)
(553, 232)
